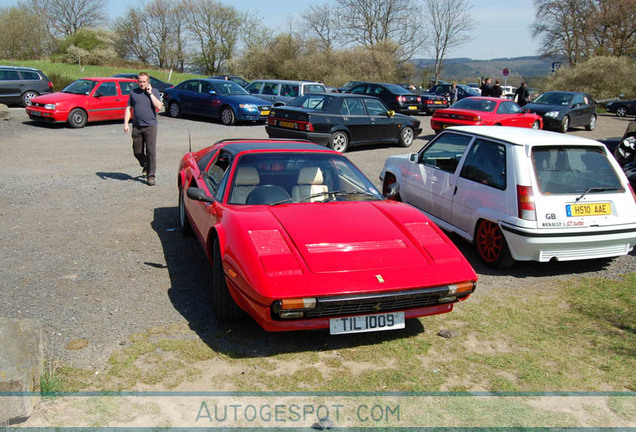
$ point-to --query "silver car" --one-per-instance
(279, 92)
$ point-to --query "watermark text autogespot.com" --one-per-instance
(296, 413)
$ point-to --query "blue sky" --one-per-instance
(501, 26)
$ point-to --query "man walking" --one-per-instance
(144, 102)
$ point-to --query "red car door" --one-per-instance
(106, 103)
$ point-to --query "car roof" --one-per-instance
(107, 79)
(286, 81)
(236, 146)
(523, 136)
(20, 68)
(565, 92)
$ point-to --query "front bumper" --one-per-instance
(47, 116)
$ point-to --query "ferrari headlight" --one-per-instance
(552, 114)
(49, 106)
(249, 107)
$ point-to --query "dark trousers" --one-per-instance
(144, 140)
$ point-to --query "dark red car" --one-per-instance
(299, 238)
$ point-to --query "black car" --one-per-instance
(18, 85)
(622, 108)
(562, 110)
(341, 120)
(396, 97)
(463, 91)
(155, 82)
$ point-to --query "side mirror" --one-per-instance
(198, 194)
(98, 95)
(390, 113)
(212, 92)
(393, 190)
(413, 157)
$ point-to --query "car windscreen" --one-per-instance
(80, 87)
(274, 178)
(230, 88)
(553, 98)
(574, 170)
(396, 89)
(469, 90)
(475, 105)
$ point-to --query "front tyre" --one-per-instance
(407, 135)
(77, 118)
(339, 141)
(592, 124)
(536, 125)
(491, 245)
(222, 303)
(565, 124)
(621, 111)
(184, 222)
(227, 117)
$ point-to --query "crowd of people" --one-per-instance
(521, 96)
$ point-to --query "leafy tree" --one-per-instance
(85, 46)
(450, 22)
(65, 17)
(587, 76)
(23, 35)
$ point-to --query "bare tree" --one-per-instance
(215, 28)
(382, 22)
(562, 26)
(450, 22)
(322, 23)
(153, 34)
(65, 17)
(614, 27)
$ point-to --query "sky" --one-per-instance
(502, 27)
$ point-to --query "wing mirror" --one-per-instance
(212, 92)
(198, 194)
(390, 113)
(413, 157)
(392, 191)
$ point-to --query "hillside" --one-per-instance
(466, 69)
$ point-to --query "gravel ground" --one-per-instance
(93, 253)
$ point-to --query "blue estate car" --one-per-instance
(221, 99)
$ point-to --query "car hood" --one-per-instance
(245, 99)
(58, 97)
(359, 236)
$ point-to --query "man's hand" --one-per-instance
(126, 128)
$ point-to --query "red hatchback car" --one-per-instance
(300, 239)
(485, 111)
(82, 101)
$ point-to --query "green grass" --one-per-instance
(569, 336)
(62, 74)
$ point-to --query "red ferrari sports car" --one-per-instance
(483, 111)
(299, 239)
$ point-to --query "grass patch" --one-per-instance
(570, 336)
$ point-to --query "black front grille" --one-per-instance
(376, 303)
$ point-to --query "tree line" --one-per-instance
(331, 41)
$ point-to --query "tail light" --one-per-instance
(401, 99)
(419, 99)
(525, 203)
(51, 85)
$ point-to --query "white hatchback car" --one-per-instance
(519, 194)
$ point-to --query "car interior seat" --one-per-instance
(247, 179)
(310, 184)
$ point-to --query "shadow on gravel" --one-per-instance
(530, 269)
(191, 282)
(119, 176)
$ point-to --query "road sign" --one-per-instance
(506, 72)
